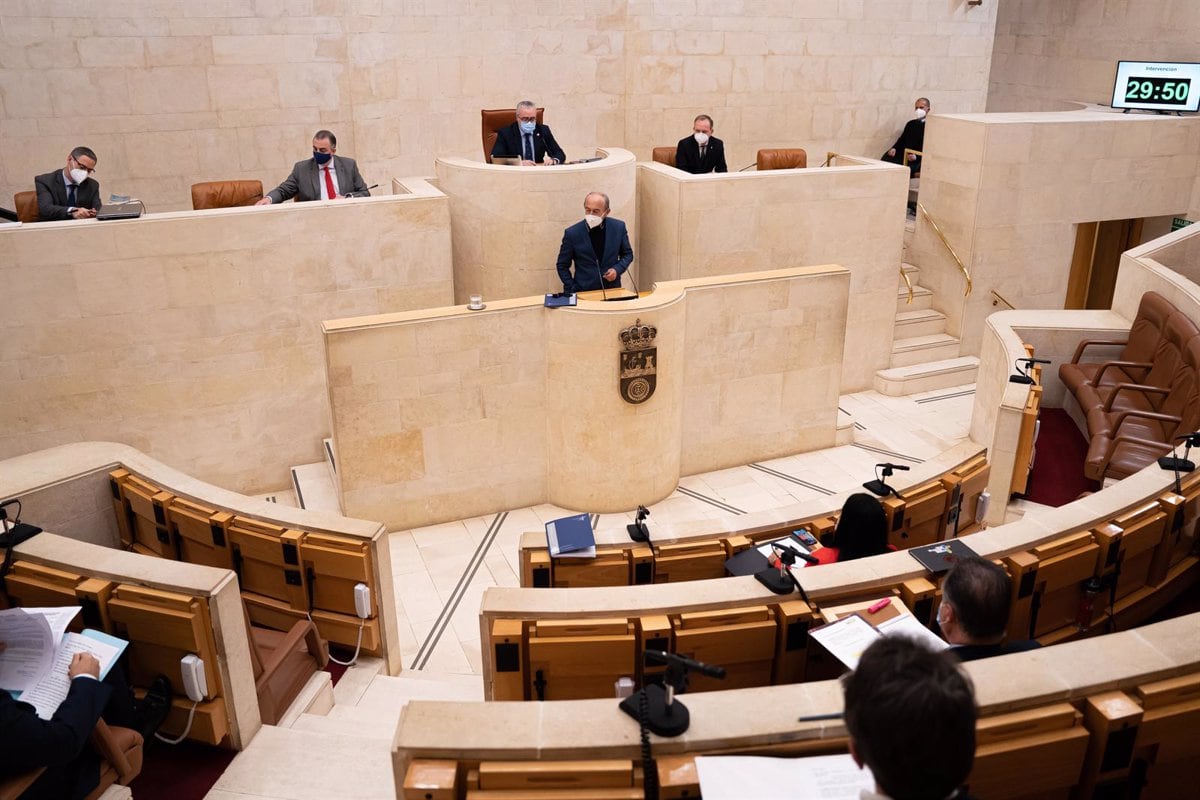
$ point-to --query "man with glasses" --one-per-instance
(527, 140)
(325, 176)
(71, 192)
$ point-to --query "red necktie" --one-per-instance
(329, 183)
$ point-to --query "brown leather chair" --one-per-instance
(664, 155)
(27, 207)
(782, 158)
(492, 120)
(1135, 359)
(283, 663)
(226, 194)
(120, 752)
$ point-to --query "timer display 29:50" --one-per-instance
(1158, 90)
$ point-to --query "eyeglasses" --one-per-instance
(88, 170)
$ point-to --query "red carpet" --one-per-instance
(188, 771)
(1057, 476)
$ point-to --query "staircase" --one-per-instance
(315, 485)
(924, 356)
(340, 746)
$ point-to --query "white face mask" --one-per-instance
(921, 113)
(78, 175)
(592, 220)
(701, 138)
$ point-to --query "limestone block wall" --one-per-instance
(446, 413)
(703, 225)
(194, 336)
(1045, 53)
(1008, 190)
(507, 222)
(170, 92)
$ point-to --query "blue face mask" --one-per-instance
(528, 127)
(321, 158)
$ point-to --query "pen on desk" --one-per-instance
(817, 717)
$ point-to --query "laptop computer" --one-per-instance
(130, 210)
(940, 557)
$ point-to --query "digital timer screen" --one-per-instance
(1157, 86)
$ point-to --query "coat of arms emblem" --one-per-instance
(638, 362)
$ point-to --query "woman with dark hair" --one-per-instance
(861, 531)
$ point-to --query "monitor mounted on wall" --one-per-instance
(1157, 86)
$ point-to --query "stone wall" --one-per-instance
(1048, 53)
(195, 336)
(170, 92)
(447, 413)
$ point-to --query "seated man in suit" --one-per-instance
(61, 744)
(527, 140)
(325, 176)
(911, 138)
(973, 616)
(910, 714)
(701, 152)
(598, 246)
(71, 192)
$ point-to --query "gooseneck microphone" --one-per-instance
(879, 485)
(362, 192)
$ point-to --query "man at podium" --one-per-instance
(598, 247)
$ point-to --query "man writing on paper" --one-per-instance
(598, 247)
(61, 744)
(71, 192)
(527, 140)
(325, 176)
(910, 714)
(973, 616)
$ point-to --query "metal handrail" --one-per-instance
(907, 283)
(829, 157)
(997, 296)
(961, 267)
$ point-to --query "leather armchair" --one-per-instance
(782, 158)
(492, 120)
(120, 752)
(226, 194)
(664, 155)
(27, 208)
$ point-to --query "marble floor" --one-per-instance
(442, 571)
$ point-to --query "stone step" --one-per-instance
(387, 695)
(355, 680)
(919, 322)
(284, 497)
(314, 487)
(380, 728)
(922, 298)
(845, 429)
(920, 349)
(926, 377)
(911, 270)
(297, 764)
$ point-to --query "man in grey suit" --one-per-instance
(325, 176)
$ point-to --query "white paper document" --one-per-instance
(762, 778)
(907, 625)
(846, 639)
(38, 650)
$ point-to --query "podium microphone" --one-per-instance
(1022, 376)
(600, 275)
(1178, 465)
(362, 192)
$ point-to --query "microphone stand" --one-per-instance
(1179, 465)
(656, 705)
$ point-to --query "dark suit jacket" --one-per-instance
(911, 138)
(60, 744)
(687, 156)
(304, 183)
(508, 144)
(973, 652)
(52, 196)
(577, 247)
